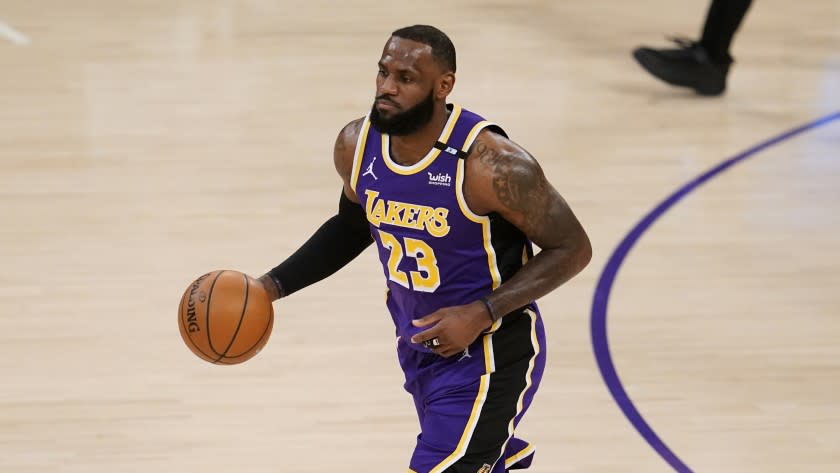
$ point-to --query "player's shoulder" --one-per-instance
(492, 151)
(345, 146)
(349, 134)
(499, 174)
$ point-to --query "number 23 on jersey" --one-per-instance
(427, 276)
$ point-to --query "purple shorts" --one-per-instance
(470, 404)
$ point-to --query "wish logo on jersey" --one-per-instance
(440, 179)
(401, 214)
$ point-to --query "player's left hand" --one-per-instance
(455, 328)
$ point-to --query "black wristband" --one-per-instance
(280, 292)
(491, 312)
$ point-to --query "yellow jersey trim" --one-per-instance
(480, 219)
(528, 450)
(359, 154)
(473, 134)
(529, 381)
(461, 449)
(430, 156)
(483, 220)
(489, 358)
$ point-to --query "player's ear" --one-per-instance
(444, 86)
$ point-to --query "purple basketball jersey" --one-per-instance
(435, 251)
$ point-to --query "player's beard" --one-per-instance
(406, 122)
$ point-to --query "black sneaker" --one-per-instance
(689, 65)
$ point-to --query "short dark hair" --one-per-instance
(442, 48)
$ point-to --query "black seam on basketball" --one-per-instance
(207, 313)
(189, 337)
(241, 317)
(225, 363)
(265, 331)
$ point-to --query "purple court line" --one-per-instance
(598, 321)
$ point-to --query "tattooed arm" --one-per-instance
(502, 177)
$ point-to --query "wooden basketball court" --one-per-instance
(143, 143)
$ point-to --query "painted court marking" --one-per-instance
(598, 321)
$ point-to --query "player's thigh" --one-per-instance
(465, 430)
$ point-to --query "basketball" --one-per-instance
(225, 317)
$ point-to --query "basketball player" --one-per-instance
(452, 205)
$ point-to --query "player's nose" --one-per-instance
(387, 87)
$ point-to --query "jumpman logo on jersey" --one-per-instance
(466, 354)
(370, 170)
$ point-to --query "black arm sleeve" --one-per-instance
(339, 240)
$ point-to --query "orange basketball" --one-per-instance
(225, 317)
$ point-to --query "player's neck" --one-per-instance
(409, 149)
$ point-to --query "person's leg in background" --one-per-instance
(702, 65)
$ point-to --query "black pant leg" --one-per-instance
(722, 21)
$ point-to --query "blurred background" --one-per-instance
(145, 142)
